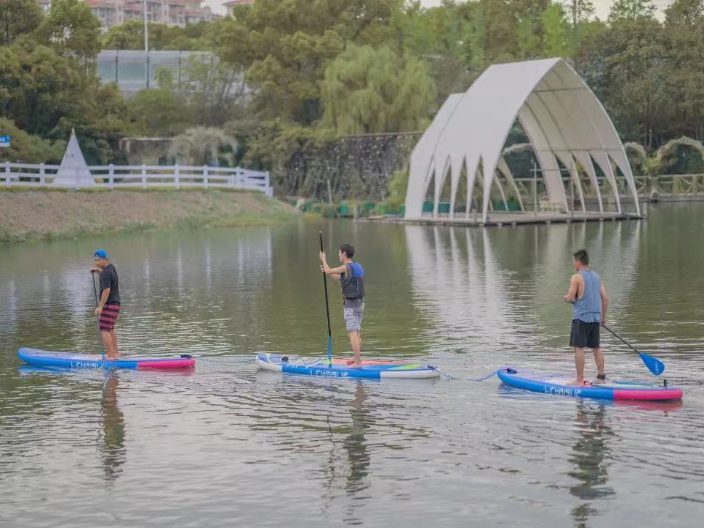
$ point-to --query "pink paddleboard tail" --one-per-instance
(181, 363)
(662, 394)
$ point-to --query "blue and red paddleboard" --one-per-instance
(556, 385)
(46, 358)
(340, 368)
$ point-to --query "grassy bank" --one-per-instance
(34, 214)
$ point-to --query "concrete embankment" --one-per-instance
(28, 214)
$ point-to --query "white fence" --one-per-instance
(141, 176)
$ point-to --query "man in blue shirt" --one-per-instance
(589, 305)
(351, 277)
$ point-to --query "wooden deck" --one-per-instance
(500, 219)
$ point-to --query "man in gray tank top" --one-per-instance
(589, 305)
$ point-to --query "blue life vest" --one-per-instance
(353, 282)
(588, 308)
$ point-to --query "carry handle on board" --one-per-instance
(327, 306)
(654, 365)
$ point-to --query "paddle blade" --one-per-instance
(654, 365)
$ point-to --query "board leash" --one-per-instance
(226, 360)
(450, 377)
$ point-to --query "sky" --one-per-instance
(602, 6)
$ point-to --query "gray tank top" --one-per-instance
(588, 308)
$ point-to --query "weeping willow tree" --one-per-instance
(368, 90)
(203, 146)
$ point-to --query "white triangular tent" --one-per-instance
(73, 171)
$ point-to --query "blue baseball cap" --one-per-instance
(100, 253)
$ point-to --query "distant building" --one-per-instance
(234, 3)
(170, 12)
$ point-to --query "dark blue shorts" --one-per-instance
(584, 335)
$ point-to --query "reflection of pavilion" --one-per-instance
(489, 289)
(613, 250)
(456, 274)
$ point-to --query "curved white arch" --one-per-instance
(561, 116)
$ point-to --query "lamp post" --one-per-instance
(146, 36)
(146, 40)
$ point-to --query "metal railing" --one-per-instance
(140, 176)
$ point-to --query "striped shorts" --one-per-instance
(108, 316)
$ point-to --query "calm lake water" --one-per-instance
(226, 445)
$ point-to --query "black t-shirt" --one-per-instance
(108, 279)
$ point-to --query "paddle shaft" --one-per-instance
(654, 365)
(621, 339)
(95, 290)
(327, 304)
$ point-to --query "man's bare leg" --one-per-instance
(356, 343)
(599, 359)
(107, 343)
(579, 364)
(114, 343)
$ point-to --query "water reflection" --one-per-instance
(355, 442)
(590, 456)
(111, 442)
(457, 278)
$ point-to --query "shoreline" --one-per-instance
(50, 214)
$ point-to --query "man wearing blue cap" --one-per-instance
(109, 304)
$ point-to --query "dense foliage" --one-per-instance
(320, 69)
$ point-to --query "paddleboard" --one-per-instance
(46, 358)
(556, 385)
(341, 368)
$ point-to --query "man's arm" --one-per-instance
(333, 272)
(103, 299)
(572, 292)
(604, 303)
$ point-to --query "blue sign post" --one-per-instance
(4, 141)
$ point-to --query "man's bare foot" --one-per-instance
(575, 383)
(355, 364)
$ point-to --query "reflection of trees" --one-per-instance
(673, 261)
(112, 444)
(588, 455)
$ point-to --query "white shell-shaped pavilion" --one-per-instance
(559, 114)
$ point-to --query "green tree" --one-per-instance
(685, 12)
(26, 148)
(130, 36)
(631, 10)
(213, 88)
(160, 112)
(556, 32)
(579, 11)
(286, 46)
(70, 28)
(369, 91)
(18, 17)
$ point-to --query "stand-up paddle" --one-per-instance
(654, 365)
(100, 337)
(327, 306)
